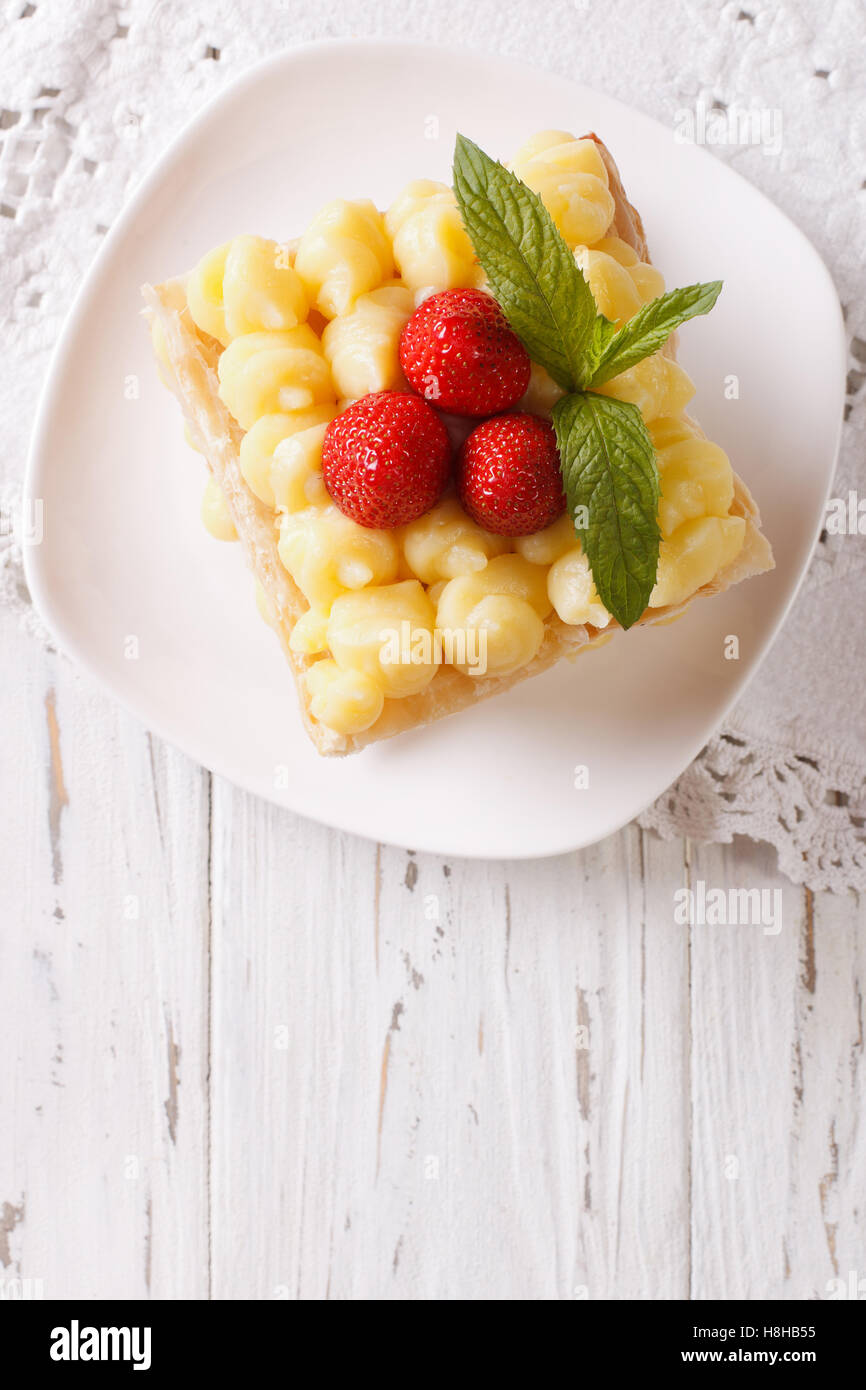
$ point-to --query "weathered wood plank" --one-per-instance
(295, 1045)
(526, 1063)
(443, 1081)
(825, 1227)
(777, 1085)
(103, 974)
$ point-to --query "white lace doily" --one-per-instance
(92, 91)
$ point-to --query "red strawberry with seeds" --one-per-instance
(460, 354)
(386, 459)
(508, 475)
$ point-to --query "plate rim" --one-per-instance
(42, 595)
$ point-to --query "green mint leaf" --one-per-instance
(609, 471)
(651, 327)
(532, 273)
(609, 467)
(603, 331)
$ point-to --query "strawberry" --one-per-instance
(459, 353)
(386, 459)
(508, 475)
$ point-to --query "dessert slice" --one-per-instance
(377, 430)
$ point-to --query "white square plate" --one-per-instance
(124, 553)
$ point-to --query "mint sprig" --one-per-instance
(609, 470)
(531, 271)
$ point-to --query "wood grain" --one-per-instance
(249, 1057)
(103, 1002)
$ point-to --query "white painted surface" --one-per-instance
(313, 1068)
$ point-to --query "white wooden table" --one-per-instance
(245, 1056)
